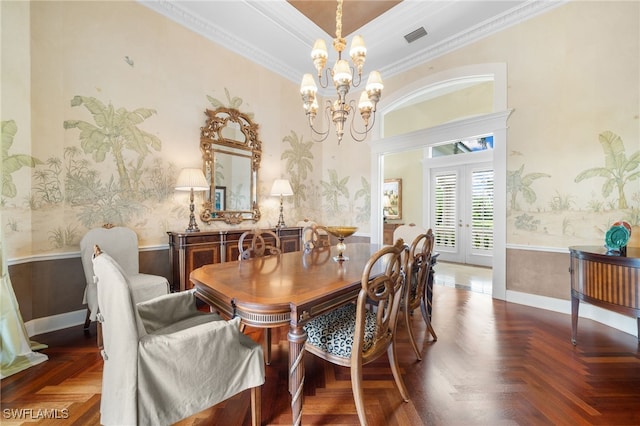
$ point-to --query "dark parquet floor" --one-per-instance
(494, 363)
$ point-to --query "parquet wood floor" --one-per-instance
(494, 363)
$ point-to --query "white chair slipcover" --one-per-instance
(408, 232)
(122, 244)
(163, 359)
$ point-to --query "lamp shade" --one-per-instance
(308, 85)
(375, 81)
(281, 187)
(341, 72)
(189, 179)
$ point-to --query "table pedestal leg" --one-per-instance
(297, 336)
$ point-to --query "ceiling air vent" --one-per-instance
(415, 34)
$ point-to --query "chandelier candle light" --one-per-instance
(343, 77)
(282, 188)
(192, 180)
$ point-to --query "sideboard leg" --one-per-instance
(575, 304)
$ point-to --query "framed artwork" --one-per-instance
(220, 198)
(392, 198)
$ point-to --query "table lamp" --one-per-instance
(282, 188)
(192, 180)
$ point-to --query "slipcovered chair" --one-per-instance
(164, 360)
(418, 272)
(408, 232)
(122, 244)
(355, 334)
(262, 242)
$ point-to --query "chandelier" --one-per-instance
(343, 77)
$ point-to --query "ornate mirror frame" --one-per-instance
(231, 136)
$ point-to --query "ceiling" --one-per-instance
(278, 34)
(355, 13)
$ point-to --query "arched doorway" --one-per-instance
(389, 138)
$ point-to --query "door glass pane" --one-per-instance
(462, 146)
(482, 209)
(445, 210)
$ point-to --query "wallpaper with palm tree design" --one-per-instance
(116, 174)
(614, 185)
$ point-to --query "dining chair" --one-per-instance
(164, 360)
(408, 232)
(358, 333)
(260, 243)
(314, 237)
(418, 272)
(122, 243)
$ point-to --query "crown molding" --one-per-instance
(301, 32)
(484, 29)
(173, 11)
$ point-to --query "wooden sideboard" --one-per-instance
(387, 232)
(191, 250)
(607, 280)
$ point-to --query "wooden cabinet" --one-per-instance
(608, 280)
(191, 250)
(387, 232)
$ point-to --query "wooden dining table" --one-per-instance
(290, 288)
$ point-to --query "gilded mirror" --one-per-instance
(231, 153)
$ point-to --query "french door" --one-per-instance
(462, 213)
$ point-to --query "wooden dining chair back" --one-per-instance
(258, 243)
(359, 333)
(254, 244)
(314, 237)
(418, 272)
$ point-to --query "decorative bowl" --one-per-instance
(340, 231)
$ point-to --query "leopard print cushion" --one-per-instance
(333, 332)
(414, 282)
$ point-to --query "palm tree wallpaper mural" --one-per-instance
(114, 134)
(333, 191)
(570, 215)
(308, 194)
(11, 163)
(518, 183)
(299, 163)
(132, 183)
(618, 170)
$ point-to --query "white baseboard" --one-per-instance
(612, 319)
(55, 322)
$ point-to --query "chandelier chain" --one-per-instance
(339, 20)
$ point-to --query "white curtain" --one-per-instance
(17, 351)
